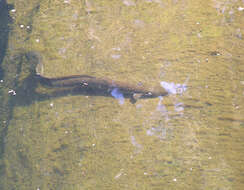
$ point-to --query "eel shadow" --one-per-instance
(5, 21)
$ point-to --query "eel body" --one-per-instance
(107, 86)
(95, 85)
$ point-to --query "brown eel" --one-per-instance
(94, 84)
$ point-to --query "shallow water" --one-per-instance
(190, 139)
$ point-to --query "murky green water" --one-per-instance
(190, 139)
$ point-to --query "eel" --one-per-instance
(97, 85)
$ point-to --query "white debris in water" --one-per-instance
(199, 35)
(240, 8)
(116, 48)
(13, 10)
(154, 1)
(173, 88)
(139, 23)
(12, 92)
(136, 144)
(238, 33)
(119, 174)
(129, 2)
(179, 107)
(174, 179)
(231, 12)
(115, 56)
(138, 106)
(28, 27)
(21, 26)
(37, 40)
(62, 50)
(1, 81)
(66, 1)
(161, 107)
(158, 131)
(51, 104)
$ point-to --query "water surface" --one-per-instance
(190, 139)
